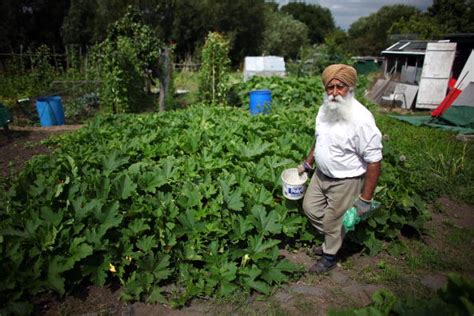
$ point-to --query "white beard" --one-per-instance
(336, 109)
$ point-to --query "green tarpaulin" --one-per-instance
(365, 67)
(458, 119)
(462, 116)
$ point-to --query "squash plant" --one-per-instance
(187, 200)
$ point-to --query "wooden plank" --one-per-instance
(435, 75)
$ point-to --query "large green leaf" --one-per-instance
(253, 148)
(82, 207)
(124, 186)
(266, 224)
(156, 296)
(240, 226)
(162, 268)
(260, 286)
(136, 285)
(146, 243)
(55, 281)
(276, 273)
(138, 226)
(112, 161)
(190, 196)
(78, 250)
(233, 199)
(263, 196)
(98, 269)
(109, 216)
(152, 180)
(258, 246)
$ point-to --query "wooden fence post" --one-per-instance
(166, 69)
(54, 58)
(67, 57)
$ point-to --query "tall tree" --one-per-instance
(284, 35)
(163, 17)
(369, 35)
(455, 16)
(79, 26)
(241, 20)
(188, 28)
(9, 36)
(191, 20)
(421, 26)
(318, 19)
(87, 21)
(32, 22)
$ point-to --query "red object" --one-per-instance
(448, 100)
(451, 83)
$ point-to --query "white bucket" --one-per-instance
(294, 184)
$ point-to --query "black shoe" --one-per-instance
(323, 265)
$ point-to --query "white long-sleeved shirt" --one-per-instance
(343, 149)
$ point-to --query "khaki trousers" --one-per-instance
(325, 202)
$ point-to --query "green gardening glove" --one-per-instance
(362, 206)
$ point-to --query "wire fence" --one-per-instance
(73, 56)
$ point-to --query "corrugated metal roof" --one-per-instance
(407, 47)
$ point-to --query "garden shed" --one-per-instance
(264, 66)
(404, 60)
(402, 67)
(417, 73)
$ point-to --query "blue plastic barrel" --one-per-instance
(50, 111)
(260, 101)
(45, 112)
(57, 108)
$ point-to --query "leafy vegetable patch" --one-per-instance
(189, 200)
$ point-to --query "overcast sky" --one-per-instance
(346, 12)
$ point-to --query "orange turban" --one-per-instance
(341, 72)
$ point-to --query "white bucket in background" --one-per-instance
(294, 184)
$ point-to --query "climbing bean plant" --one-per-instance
(130, 51)
(214, 69)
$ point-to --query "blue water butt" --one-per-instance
(57, 107)
(260, 101)
(50, 111)
(45, 112)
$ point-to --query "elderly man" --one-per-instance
(348, 154)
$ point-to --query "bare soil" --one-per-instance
(449, 234)
(22, 143)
